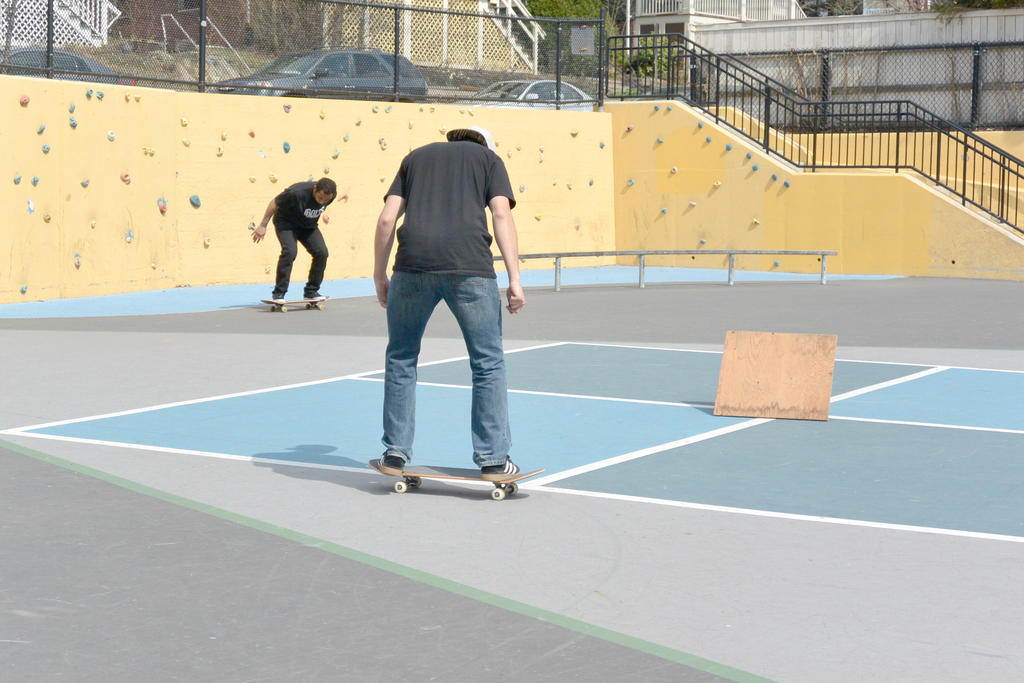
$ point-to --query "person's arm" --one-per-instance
(508, 244)
(394, 206)
(261, 230)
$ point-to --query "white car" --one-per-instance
(535, 94)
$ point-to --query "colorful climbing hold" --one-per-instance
(99, 94)
(630, 182)
(661, 140)
(23, 100)
(184, 122)
(287, 147)
(707, 139)
(46, 149)
(85, 182)
(24, 288)
(42, 127)
(728, 148)
(78, 261)
(664, 209)
(71, 108)
(126, 179)
(754, 167)
(161, 204)
(17, 178)
(73, 122)
(194, 201)
(35, 180)
(88, 94)
(31, 207)
(110, 135)
(287, 108)
(785, 183)
(673, 170)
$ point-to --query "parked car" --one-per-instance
(534, 94)
(346, 73)
(31, 61)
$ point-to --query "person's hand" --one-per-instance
(382, 284)
(258, 233)
(516, 298)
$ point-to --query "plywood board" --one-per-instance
(779, 375)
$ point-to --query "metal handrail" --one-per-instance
(644, 253)
(786, 124)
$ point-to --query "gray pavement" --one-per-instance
(121, 563)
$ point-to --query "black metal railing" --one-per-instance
(893, 134)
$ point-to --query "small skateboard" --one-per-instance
(412, 476)
(318, 304)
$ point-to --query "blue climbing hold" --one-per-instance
(194, 200)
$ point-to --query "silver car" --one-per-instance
(535, 94)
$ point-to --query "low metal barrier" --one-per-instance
(643, 254)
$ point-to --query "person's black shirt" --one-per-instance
(296, 208)
(446, 187)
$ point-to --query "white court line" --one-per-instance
(176, 404)
(555, 394)
(601, 464)
(776, 515)
(937, 425)
(537, 484)
(890, 383)
(625, 457)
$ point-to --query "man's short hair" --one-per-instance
(476, 134)
(327, 185)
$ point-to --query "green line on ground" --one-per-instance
(417, 575)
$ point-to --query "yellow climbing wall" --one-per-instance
(92, 223)
(97, 183)
(683, 183)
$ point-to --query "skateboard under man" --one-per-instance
(318, 304)
(411, 477)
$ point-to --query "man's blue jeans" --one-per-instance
(476, 304)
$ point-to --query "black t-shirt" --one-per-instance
(446, 187)
(296, 208)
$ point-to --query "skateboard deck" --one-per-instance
(412, 476)
(308, 303)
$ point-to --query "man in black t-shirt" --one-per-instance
(444, 253)
(296, 213)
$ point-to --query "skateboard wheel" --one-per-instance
(498, 494)
(513, 489)
(401, 487)
(319, 307)
(283, 309)
(413, 482)
(309, 306)
(273, 308)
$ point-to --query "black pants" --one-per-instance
(313, 241)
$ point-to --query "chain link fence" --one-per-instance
(979, 85)
(325, 48)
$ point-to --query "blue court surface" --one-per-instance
(225, 297)
(918, 446)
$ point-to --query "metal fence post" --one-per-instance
(975, 86)
(49, 37)
(826, 76)
(395, 60)
(643, 258)
(732, 264)
(824, 268)
(767, 117)
(202, 46)
(558, 273)
(602, 56)
(558, 65)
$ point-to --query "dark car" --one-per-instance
(332, 73)
(31, 61)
